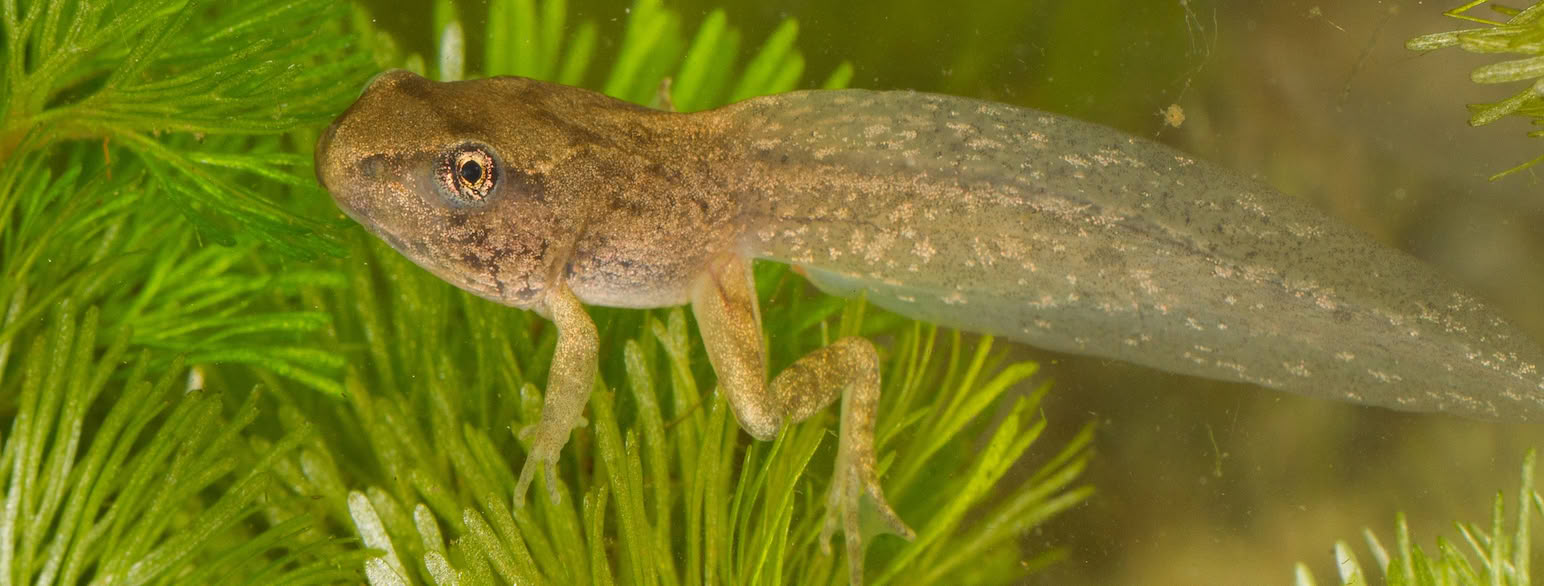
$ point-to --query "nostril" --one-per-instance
(372, 167)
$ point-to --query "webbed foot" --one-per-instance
(855, 477)
(546, 445)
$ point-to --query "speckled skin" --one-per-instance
(581, 187)
(577, 197)
(1024, 224)
(1074, 237)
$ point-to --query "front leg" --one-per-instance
(725, 306)
(568, 387)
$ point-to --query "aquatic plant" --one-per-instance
(147, 203)
(1522, 33)
(1494, 557)
(217, 377)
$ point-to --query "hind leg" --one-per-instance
(725, 306)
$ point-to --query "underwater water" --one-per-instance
(387, 404)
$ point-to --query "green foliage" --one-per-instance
(1521, 34)
(124, 124)
(132, 134)
(125, 72)
(162, 239)
(102, 461)
(1495, 557)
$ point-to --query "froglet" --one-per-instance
(1023, 224)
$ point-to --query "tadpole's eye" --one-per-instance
(469, 173)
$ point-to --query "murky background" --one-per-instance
(1200, 481)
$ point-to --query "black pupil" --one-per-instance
(471, 171)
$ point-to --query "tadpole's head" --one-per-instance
(456, 176)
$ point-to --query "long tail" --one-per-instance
(1075, 237)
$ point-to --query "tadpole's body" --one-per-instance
(1028, 225)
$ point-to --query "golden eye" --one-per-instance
(469, 174)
